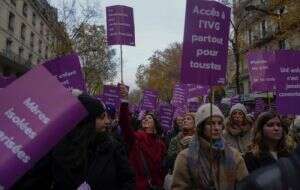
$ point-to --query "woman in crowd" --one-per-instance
(181, 141)
(178, 143)
(295, 130)
(238, 130)
(208, 162)
(88, 157)
(270, 142)
(146, 149)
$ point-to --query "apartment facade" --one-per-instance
(28, 34)
(262, 26)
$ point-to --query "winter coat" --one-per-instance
(39, 177)
(175, 146)
(230, 168)
(264, 158)
(145, 151)
(108, 166)
(96, 158)
(282, 175)
(239, 141)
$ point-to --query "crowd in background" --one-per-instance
(118, 150)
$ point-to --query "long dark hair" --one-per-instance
(156, 124)
(258, 145)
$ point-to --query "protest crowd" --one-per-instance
(121, 148)
(56, 135)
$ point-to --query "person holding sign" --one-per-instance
(88, 157)
(238, 130)
(270, 142)
(146, 148)
(208, 162)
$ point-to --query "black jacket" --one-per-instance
(264, 159)
(108, 167)
(283, 175)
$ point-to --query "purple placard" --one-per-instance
(234, 100)
(67, 69)
(166, 112)
(149, 100)
(288, 81)
(261, 69)
(193, 106)
(180, 111)
(205, 45)
(260, 106)
(197, 90)
(120, 25)
(31, 122)
(111, 96)
(5, 81)
(180, 94)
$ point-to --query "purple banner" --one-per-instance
(288, 82)
(261, 69)
(149, 100)
(193, 106)
(234, 100)
(33, 121)
(166, 116)
(205, 45)
(260, 106)
(111, 96)
(67, 69)
(5, 81)
(120, 25)
(180, 94)
(197, 90)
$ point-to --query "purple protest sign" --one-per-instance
(31, 122)
(67, 69)
(180, 94)
(260, 106)
(120, 25)
(197, 90)
(234, 100)
(193, 106)
(166, 116)
(180, 111)
(4, 81)
(287, 78)
(149, 100)
(261, 69)
(205, 45)
(111, 96)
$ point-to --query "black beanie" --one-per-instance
(94, 106)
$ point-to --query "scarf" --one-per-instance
(200, 158)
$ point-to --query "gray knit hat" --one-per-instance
(204, 112)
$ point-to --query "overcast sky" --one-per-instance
(158, 23)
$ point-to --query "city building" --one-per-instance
(262, 25)
(29, 34)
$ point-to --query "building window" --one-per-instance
(40, 46)
(33, 19)
(42, 28)
(11, 21)
(30, 58)
(25, 9)
(21, 51)
(249, 36)
(8, 45)
(263, 29)
(23, 31)
(13, 2)
(31, 40)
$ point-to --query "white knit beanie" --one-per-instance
(204, 112)
(296, 123)
(239, 107)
